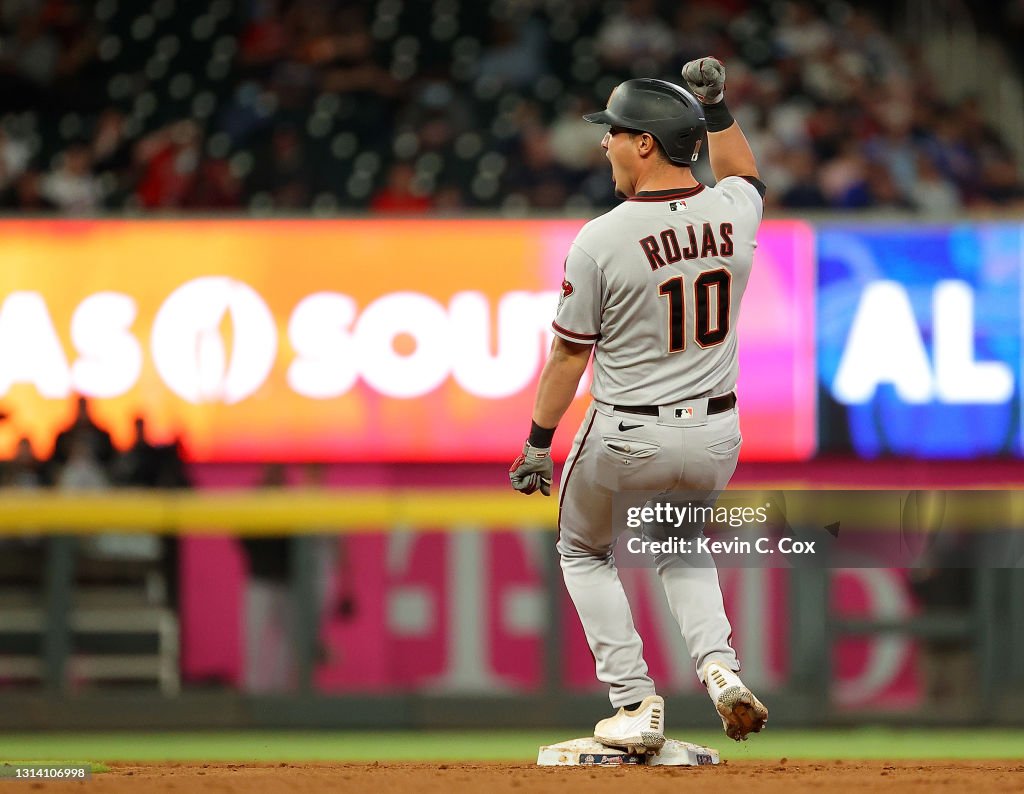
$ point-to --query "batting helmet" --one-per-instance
(668, 112)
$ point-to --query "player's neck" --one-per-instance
(666, 177)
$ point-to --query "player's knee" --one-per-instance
(572, 547)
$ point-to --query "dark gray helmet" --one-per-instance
(667, 111)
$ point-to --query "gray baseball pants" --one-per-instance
(682, 449)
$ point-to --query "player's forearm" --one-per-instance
(730, 154)
(558, 381)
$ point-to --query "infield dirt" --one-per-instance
(503, 778)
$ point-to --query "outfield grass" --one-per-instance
(493, 745)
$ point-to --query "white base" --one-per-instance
(589, 752)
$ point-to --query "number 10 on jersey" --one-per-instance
(712, 295)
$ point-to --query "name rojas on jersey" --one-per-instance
(657, 281)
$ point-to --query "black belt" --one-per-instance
(716, 405)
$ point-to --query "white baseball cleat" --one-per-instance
(741, 712)
(641, 731)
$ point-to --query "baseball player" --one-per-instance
(653, 288)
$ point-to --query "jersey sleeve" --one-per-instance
(746, 191)
(578, 318)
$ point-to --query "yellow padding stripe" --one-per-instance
(273, 511)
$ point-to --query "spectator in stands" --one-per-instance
(172, 472)
(264, 38)
(803, 191)
(269, 656)
(270, 602)
(945, 587)
(698, 30)
(35, 46)
(932, 193)
(333, 575)
(26, 195)
(401, 194)
(112, 154)
(14, 158)
(449, 198)
(23, 470)
(139, 465)
(1000, 184)
(574, 143)
(977, 133)
(169, 159)
(844, 177)
(171, 170)
(83, 470)
(636, 40)
(22, 558)
(283, 171)
(94, 442)
(827, 131)
(514, 50)
(348, 59)
(72, 186)
(541, 179)
(880, 191)
(801, 32)
(49, 48)
(895, 149)
(951, 153)
(213, 187)
(445, 83)
(435, 111)
(110, 149)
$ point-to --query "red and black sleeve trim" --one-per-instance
(668, 195)
(575, 336)
(759, 186)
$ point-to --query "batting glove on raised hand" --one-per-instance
(532, 470)
(705, 78)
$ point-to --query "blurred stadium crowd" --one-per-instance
(413, 106)
(84, 458)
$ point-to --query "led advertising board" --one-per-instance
(919, 338)
(339, 340)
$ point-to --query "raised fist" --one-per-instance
(705, 78)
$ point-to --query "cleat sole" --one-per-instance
(646, 743)
(742, 714)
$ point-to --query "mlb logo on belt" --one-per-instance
(684, 413)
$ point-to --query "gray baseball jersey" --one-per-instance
(657, 283)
